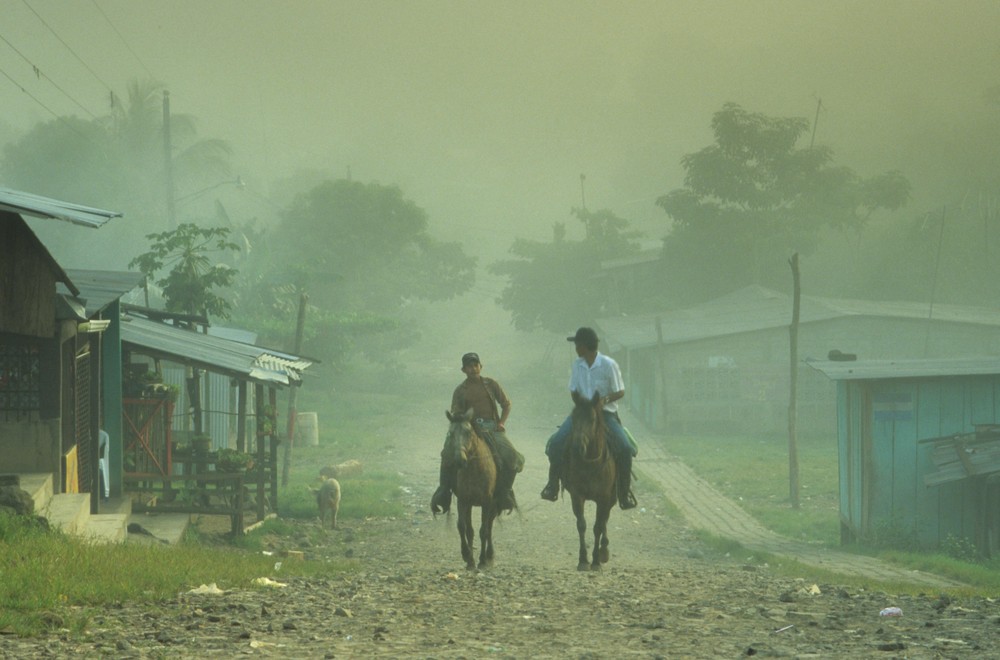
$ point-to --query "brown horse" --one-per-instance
(590, 475)
(477, 478)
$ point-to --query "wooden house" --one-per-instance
(919, 450)
(50, 376)
(723, 366)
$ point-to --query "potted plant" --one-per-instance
(201, 443)
(231, 460)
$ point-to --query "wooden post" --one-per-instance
(241, 416)
(299, 329)
(793, 336)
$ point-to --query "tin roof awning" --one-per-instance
(99, 288)
(24, 203)
(883, 369)
(216, 354)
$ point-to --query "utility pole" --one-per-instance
(812, 140)
(583, 197)
(168, 162)
(293, 394)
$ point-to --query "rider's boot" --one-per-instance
(551, 490)
(626, 500)
(441, 500)
(504, 493)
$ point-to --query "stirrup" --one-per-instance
(627, 501)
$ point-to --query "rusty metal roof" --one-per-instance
(215, 354)
(24, 203)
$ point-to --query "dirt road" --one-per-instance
(661, 594)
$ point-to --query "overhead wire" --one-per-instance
(122, 38)
(61, 120)
(41, 74)
(69, 48)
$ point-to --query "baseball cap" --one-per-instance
(585, 336)
(470, 358)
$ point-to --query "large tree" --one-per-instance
(364, 253)
(754, 196)
(116, 161)
(560, 285)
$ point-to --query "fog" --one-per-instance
(487, 114)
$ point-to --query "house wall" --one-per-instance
(27, 281)
(883, 462)
(740, 382)
(31, 445)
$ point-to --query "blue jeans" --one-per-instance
(555, 448)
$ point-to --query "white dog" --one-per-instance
(328, 501)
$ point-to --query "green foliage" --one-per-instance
(371, 249)
(51, 580)
(551, 283)
(115, 161)
(754, 472)
(753, 198)
(191, 276)
(961, 548)
(363, 254)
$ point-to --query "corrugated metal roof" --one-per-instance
(880, 369)
(100, 288)
(756, 308)
(24, 203)
(213, 353)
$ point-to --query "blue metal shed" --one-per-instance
(907, 431)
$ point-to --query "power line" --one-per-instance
(42, 74)
(141, 63)
(78, 58)
(47, 108)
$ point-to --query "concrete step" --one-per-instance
(39, 486)
(158, 528)
(106, 528)
(68, 512)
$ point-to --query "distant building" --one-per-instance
(723, 366)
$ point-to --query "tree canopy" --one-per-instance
(753, 197)
(364, 253)
(560, 285)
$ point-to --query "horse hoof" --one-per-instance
(604, 555)
(583, 566)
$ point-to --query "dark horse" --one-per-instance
(477, 478)
(590, 475)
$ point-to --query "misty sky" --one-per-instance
(486, 114)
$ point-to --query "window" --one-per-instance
(20, 377)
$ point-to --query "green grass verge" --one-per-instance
(49, 580)
(754, 472)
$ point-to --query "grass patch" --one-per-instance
(51, 580)
(754, 473)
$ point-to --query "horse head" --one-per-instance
(587, 423)
(459, 437)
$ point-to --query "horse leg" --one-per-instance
(465, 533)
(581, 529)
(601, 541)
(486, 537)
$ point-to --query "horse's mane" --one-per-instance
(587, 424)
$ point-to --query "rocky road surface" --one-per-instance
(661, 595)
